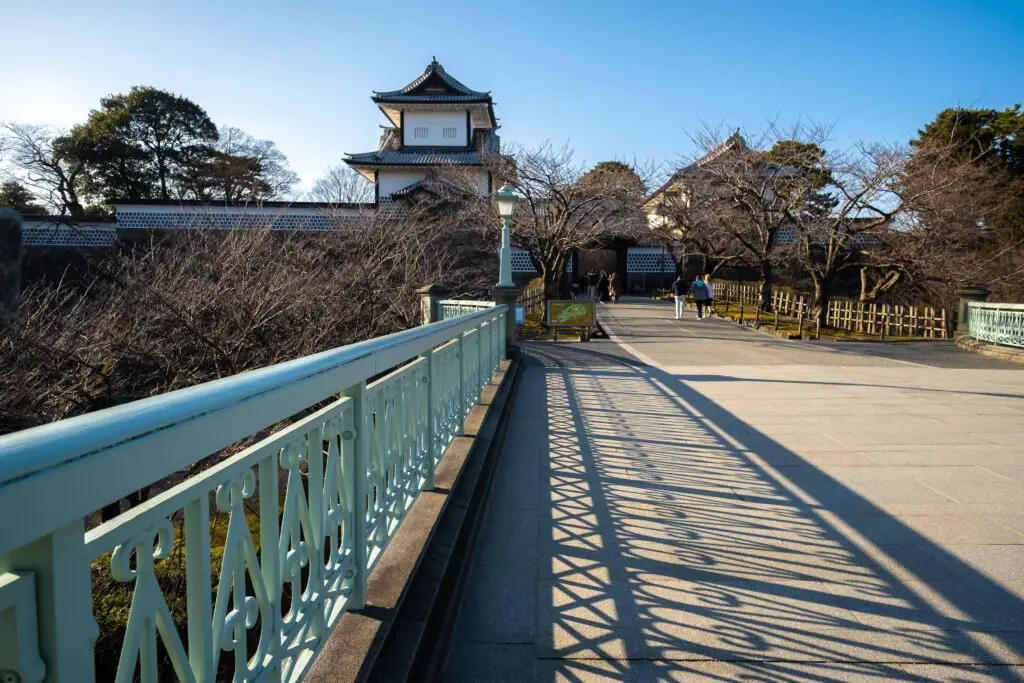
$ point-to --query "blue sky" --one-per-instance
(618, 80)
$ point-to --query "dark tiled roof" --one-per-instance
(416, 91)
(426, 184)
(390, 157)
(431, 97)
(734, 141)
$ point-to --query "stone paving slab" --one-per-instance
(726, 507)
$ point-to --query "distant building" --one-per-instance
(675, 188)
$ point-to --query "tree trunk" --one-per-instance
(765, 294)
(822, 297)
(549, 271)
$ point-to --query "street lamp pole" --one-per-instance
(505, 254)
(506, 198)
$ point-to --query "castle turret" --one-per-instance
(437, 124)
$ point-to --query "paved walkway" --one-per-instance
(736, 507)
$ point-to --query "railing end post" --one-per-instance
(429, 298)
(507, 296)
(67, 630)
(967, 293)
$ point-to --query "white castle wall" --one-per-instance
(435, 122)
(390, 182)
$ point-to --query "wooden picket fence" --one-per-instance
(883, 320)
(889, 320)
(531, 298)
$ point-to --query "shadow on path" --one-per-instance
(668, 546)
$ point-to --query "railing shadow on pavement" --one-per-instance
(676, 544)
(763, 380)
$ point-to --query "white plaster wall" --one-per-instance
(481, 182)
(393, 181)
(435, 121)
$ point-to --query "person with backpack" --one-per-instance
(700, 295)
(679, 292)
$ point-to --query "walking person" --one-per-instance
(613, 287)
(679, 292)
(602, 287)
(700, 295)
(711, 293)
(592, 284)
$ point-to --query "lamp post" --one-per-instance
(506, 198)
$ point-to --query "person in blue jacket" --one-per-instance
(701, 295)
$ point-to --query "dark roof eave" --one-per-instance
(255, 205)
(54, 218)
(356, 162)
(431, 99)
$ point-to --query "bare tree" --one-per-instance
(752, 187)
(43, 161)
(342, 185)
(560, 212)
(195, 306)
(691, 215)
(893, 225)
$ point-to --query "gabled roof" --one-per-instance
(734, 141)
(433, 85)
(427, 184)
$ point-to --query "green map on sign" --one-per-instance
(572, 313)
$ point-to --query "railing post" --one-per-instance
(965, 295)
(198, 582)
(507, 296)
(432, 410)
(481, 371)
(63, 579)
(460, 419)
(361, 450)
(19, 644)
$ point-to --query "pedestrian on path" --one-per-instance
(613, 287)
(592, 281)
(700, 295)
(602, 287)
(679, 292)
(711, 292)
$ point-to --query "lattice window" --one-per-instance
(69, 236)
(786, 235)
(649, 260)
(521, 262)
(420, 132)
(449, 133)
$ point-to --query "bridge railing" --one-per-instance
(996, 323)
(309, 507)
(453, 308)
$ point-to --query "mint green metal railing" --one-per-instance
(350, 471)
(996, 323)
(452, 308)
